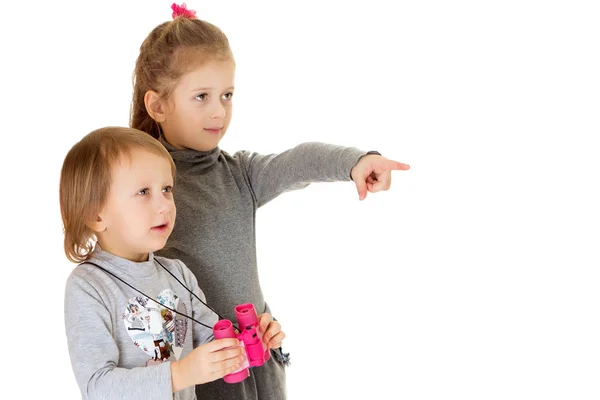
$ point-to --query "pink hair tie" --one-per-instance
(182, 11)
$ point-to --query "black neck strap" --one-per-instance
(169, 308)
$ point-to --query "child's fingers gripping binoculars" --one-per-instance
(256, 352)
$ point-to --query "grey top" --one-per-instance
(120, 341)
(217, 196)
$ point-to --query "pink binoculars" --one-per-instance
(256, 351)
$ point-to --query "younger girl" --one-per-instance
(134, 321)
(183, 89)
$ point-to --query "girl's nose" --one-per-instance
(218, 111)
(164, 205)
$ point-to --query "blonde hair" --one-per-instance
(168, 52)
(86, 177)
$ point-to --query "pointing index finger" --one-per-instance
(391, 165)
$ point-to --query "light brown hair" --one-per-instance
(169, 51)
(86, 178)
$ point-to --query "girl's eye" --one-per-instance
(168, 189)
(144, 192)
(201, 97)
(227, 96)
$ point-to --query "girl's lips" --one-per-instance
(213, 131)
(161, 228)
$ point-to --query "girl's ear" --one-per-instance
(98, 225)
(154, 106)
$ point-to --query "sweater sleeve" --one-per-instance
(95, 355)
(273, 174)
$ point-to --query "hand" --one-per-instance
(373, 173)
(271, 330)
(207, 363)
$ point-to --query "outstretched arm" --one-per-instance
(270, 175)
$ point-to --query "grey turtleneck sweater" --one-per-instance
(217, 196)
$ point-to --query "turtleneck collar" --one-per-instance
(203, 159)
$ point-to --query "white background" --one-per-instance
(476, 276)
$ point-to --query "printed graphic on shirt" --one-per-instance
(155, 329)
